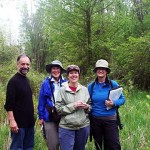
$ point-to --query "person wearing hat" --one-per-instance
(47, 97)
(104, 121)
(73, 104)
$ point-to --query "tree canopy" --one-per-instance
(83, 31)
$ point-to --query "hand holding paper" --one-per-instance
(114, 95)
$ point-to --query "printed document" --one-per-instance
(114, 94)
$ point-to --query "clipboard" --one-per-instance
(114, 94)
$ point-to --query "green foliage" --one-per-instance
(7, 52)
(6, 71)
(36, 79)
(133, 64)
(2, 101)
(4, 132)
(135, 115)
(40, 143)
(81, 32)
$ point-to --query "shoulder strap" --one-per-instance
(111, 85)
(50, 83)
(92, 86)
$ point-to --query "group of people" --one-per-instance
(82, 109)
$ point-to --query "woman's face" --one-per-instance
(55, 72)
(101, 72)
(73, 76)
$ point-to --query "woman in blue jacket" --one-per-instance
(47, 97)
(104, 124)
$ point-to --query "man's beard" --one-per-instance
(24, 71)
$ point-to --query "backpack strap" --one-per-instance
(117, 111)
(50, 83)
(118, 119)
(92, 86)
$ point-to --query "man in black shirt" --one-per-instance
(19, 107)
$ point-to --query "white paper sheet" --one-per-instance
(114, 95)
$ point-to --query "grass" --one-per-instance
(4, 132)
(135, 116)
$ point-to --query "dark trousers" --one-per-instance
(105, 131)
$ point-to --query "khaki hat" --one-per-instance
(102, 64)
(72, 67)
(55, 63)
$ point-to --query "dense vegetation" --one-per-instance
(81, 32)
(135, 116)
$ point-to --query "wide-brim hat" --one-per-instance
(102, 64)
(55, 63)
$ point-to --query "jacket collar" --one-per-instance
(61, 80)
(66, 85)
(52, 79)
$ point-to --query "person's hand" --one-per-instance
(13, 126)
(80, 104)
(109, 103)
(41, 122)
(86, 106)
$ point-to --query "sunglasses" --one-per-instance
(101, 68)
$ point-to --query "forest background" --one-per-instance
(81, 32)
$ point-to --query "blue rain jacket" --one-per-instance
(46, 98)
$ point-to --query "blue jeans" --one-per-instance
(23, 140)
(73, 139)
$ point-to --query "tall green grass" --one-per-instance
(135, 116)
(4, 132)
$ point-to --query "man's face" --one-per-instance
(23, 65)
(55, 72)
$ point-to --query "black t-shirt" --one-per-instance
(19, 100)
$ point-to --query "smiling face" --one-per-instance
(73, 76)
(101, 73)
(55, 72)
(23, 65)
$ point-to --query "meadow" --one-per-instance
(135, 117)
